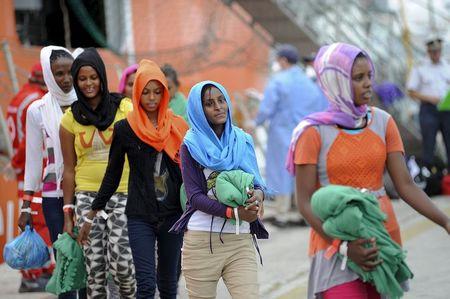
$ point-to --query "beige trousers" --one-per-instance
(234, 260)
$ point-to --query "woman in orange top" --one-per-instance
(150, 137)
(350, 144)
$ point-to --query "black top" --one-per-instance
(154, 182)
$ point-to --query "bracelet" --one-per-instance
(236, 216)
(103, 214)
(87, 220)
(26, 210)
(27, 197)
(68, 208)
(343, 249)
(229, 212)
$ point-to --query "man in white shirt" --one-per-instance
(429, 82)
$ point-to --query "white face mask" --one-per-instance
(276, 67)
(310, 72)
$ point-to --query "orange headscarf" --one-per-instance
(171, 128)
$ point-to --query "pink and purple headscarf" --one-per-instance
(333, 66)
(123, 80)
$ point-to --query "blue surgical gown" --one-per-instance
(289, 96)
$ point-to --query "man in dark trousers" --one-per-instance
(429, 82)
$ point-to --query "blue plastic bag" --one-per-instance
(27, 251)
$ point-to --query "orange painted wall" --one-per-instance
(8, 21)
(202, 39)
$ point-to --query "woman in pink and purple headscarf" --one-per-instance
(127, 81)
(350, 144)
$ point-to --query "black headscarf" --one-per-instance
(103, 116)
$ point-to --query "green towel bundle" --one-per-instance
(70, 272)
(231, 189)
(349, 214)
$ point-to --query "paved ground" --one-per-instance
(284, 274)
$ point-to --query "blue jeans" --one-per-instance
(143, 236)
(54, 219)
(431, 121)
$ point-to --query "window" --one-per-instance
(41, 22)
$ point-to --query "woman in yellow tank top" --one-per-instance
(86, 135)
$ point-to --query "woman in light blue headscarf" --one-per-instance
(211, 249)
(233, 149)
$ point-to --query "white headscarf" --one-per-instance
(62, 98)
(51, 111)
(77, 52)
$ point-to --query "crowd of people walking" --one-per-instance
(112, 169)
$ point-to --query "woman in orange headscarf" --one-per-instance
(150, 136)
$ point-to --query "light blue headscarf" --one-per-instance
(234, 149)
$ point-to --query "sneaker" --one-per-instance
(279, 223)
(31, 285)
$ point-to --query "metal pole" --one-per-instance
(10, 65)
(66, 22)
(431, 18)
(406, 38)
(129, 33)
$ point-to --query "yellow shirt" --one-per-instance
(92, 150)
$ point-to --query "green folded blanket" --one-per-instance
(231, 189)
(349, 214)
(70, 271)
